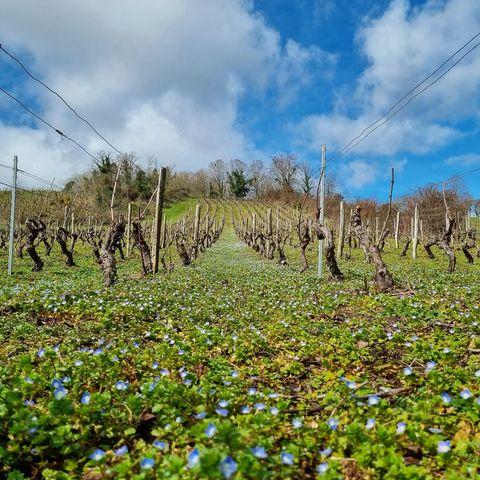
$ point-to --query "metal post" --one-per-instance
(13, 205)
(322, 208)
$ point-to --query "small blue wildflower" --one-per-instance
(332, 422)
(259, 452)
(97, 455)
(446, 398)
(287, 458)
(155, 365)
(160, 445)
(401, 427)
(466, 394)
(228, 466)
(370, 423)
(56, 383)
(41, 353)
(274, 411)
(121, 385)
(407, 371)
(85, 399)
(121, 451)
(164, 372)
(78, 363)
(260, 407)
(147, 463)
(223, 412)
(297, 423)
(200, 415)
(322, 468)
(430, 366)
(223, 403)
(373, 399)
(252, 391)
(60, 393)
(444, 446)
(211, 430)
(326, 452)
(245, 410)
(193, 458)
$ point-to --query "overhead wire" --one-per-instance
(67, 104)
(409, 92)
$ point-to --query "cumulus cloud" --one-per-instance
(401, 47)
(464, 160)
(162, 77)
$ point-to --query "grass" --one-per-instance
(235, 359)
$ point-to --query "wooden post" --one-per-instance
(162, 178)
(415, 234)
(13, 204)
(129, 222)
(376, 229)
(397, 226)
(65, 215)
(341, 229)
(164, 232)
(196, 228)
(254, 224)
(72, 224)
(322, 208)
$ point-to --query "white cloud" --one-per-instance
(161, 77)
(464, 160)
(401, 47)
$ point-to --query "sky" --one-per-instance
(185, 82)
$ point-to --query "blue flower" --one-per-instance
(274, 411)
(322, 468)
(85, 398)
(326, 452)
(97, 455)
(41, 353)
(193, 458)
(287, 458)
(466, 394)
(223, 403)
(252, 391)
(78, 363)
(121, 451)
(160, 445)
(444, 446)
(200, 415)
(245, 409)
(228, 466)
(297, 423)
(332, 422)
(259, 452)
(401, 426)
(211, 430)
(430, 366)
(373, 399)
(407, 371)
(56, 383)
(446, 398)
(155, 365)
(121, 385)
(147, 463)
(370, 423)
(60, 393)
(259, 407)
(223, 412)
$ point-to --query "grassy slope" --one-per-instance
(283, 333)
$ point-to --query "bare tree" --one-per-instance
(305, 178)
(257, 174)
(218, 172)
(284, 171)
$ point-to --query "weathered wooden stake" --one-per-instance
(341, 230)
(415, 234)
(129, 223)
(162, 179)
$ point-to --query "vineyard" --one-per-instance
(237, 360)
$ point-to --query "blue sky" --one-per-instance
(250, 79)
